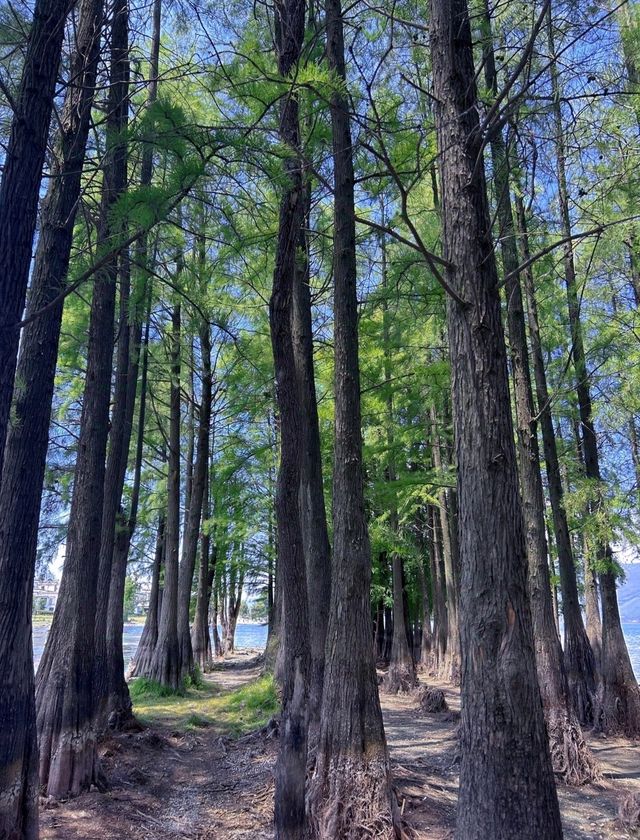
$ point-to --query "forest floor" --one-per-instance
(196, 771)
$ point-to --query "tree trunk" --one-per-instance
(507, 788)
(578, 654)
(194, 512)
(441, 621)
(351, 785)
(313, 517)
(165, 665)
(119, 710)
(27, 441)
(141, 662)
(201, 638)
(619, 695)
(20, 186)
(572, 760)
(449, 666)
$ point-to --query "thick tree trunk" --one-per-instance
(351, 785)
(27, 441)
(165, 664)
(572, 760)
(507, 788)
(579, 657)
(294, 439)
(66, 690)
(20, 185)
(194, 513)
(619, 695)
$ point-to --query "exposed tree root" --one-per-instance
(572, 760)
(350, 798)
(400, 679)
(431, 700)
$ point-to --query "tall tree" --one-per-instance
(619, 700)
(20, 185)
(507, 788)
(292, 757)
(351, 785)
(27, 439)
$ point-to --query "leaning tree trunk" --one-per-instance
(619, 695)
(507, 788)
(20, 186)
(578, 655)
(351, 787)
(571, 758)
(165, 664)
(194, 513)
(27, 441)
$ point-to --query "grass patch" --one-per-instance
(233, 713)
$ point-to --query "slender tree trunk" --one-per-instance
(351, 785)
(441, 621)
(449, 666)
(579, 657)
(313, 517)
(141, 662)
(119, 711)
(27, 441)
(619, 694)
(572, 760)
(201, 638)
(426, 639)
(165, 665)
(194, 512)
(20, 185)
(507, 788)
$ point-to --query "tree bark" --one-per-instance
(200, 636)
(194, 512)
(65, 687)
(579, 658)
(20, 185)
(571, 758)
(507, 788)
(619, 695)
(27, 442)
(351, 785)
(165, 664)
(141, 662)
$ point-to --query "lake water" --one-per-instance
(255, 636)
(247, 636)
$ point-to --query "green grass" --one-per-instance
(233, 713)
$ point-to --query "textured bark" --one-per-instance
(194, 512)
(580, 663)
(292, 757)
(507, 788)
(20, 185)
(438, 586)
(65, 689)
(27, 442)
(165, 664)
(619, 695)
(350, 792)
(572, 760)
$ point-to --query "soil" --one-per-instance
(202, 786)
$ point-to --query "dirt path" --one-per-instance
(202, 786)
